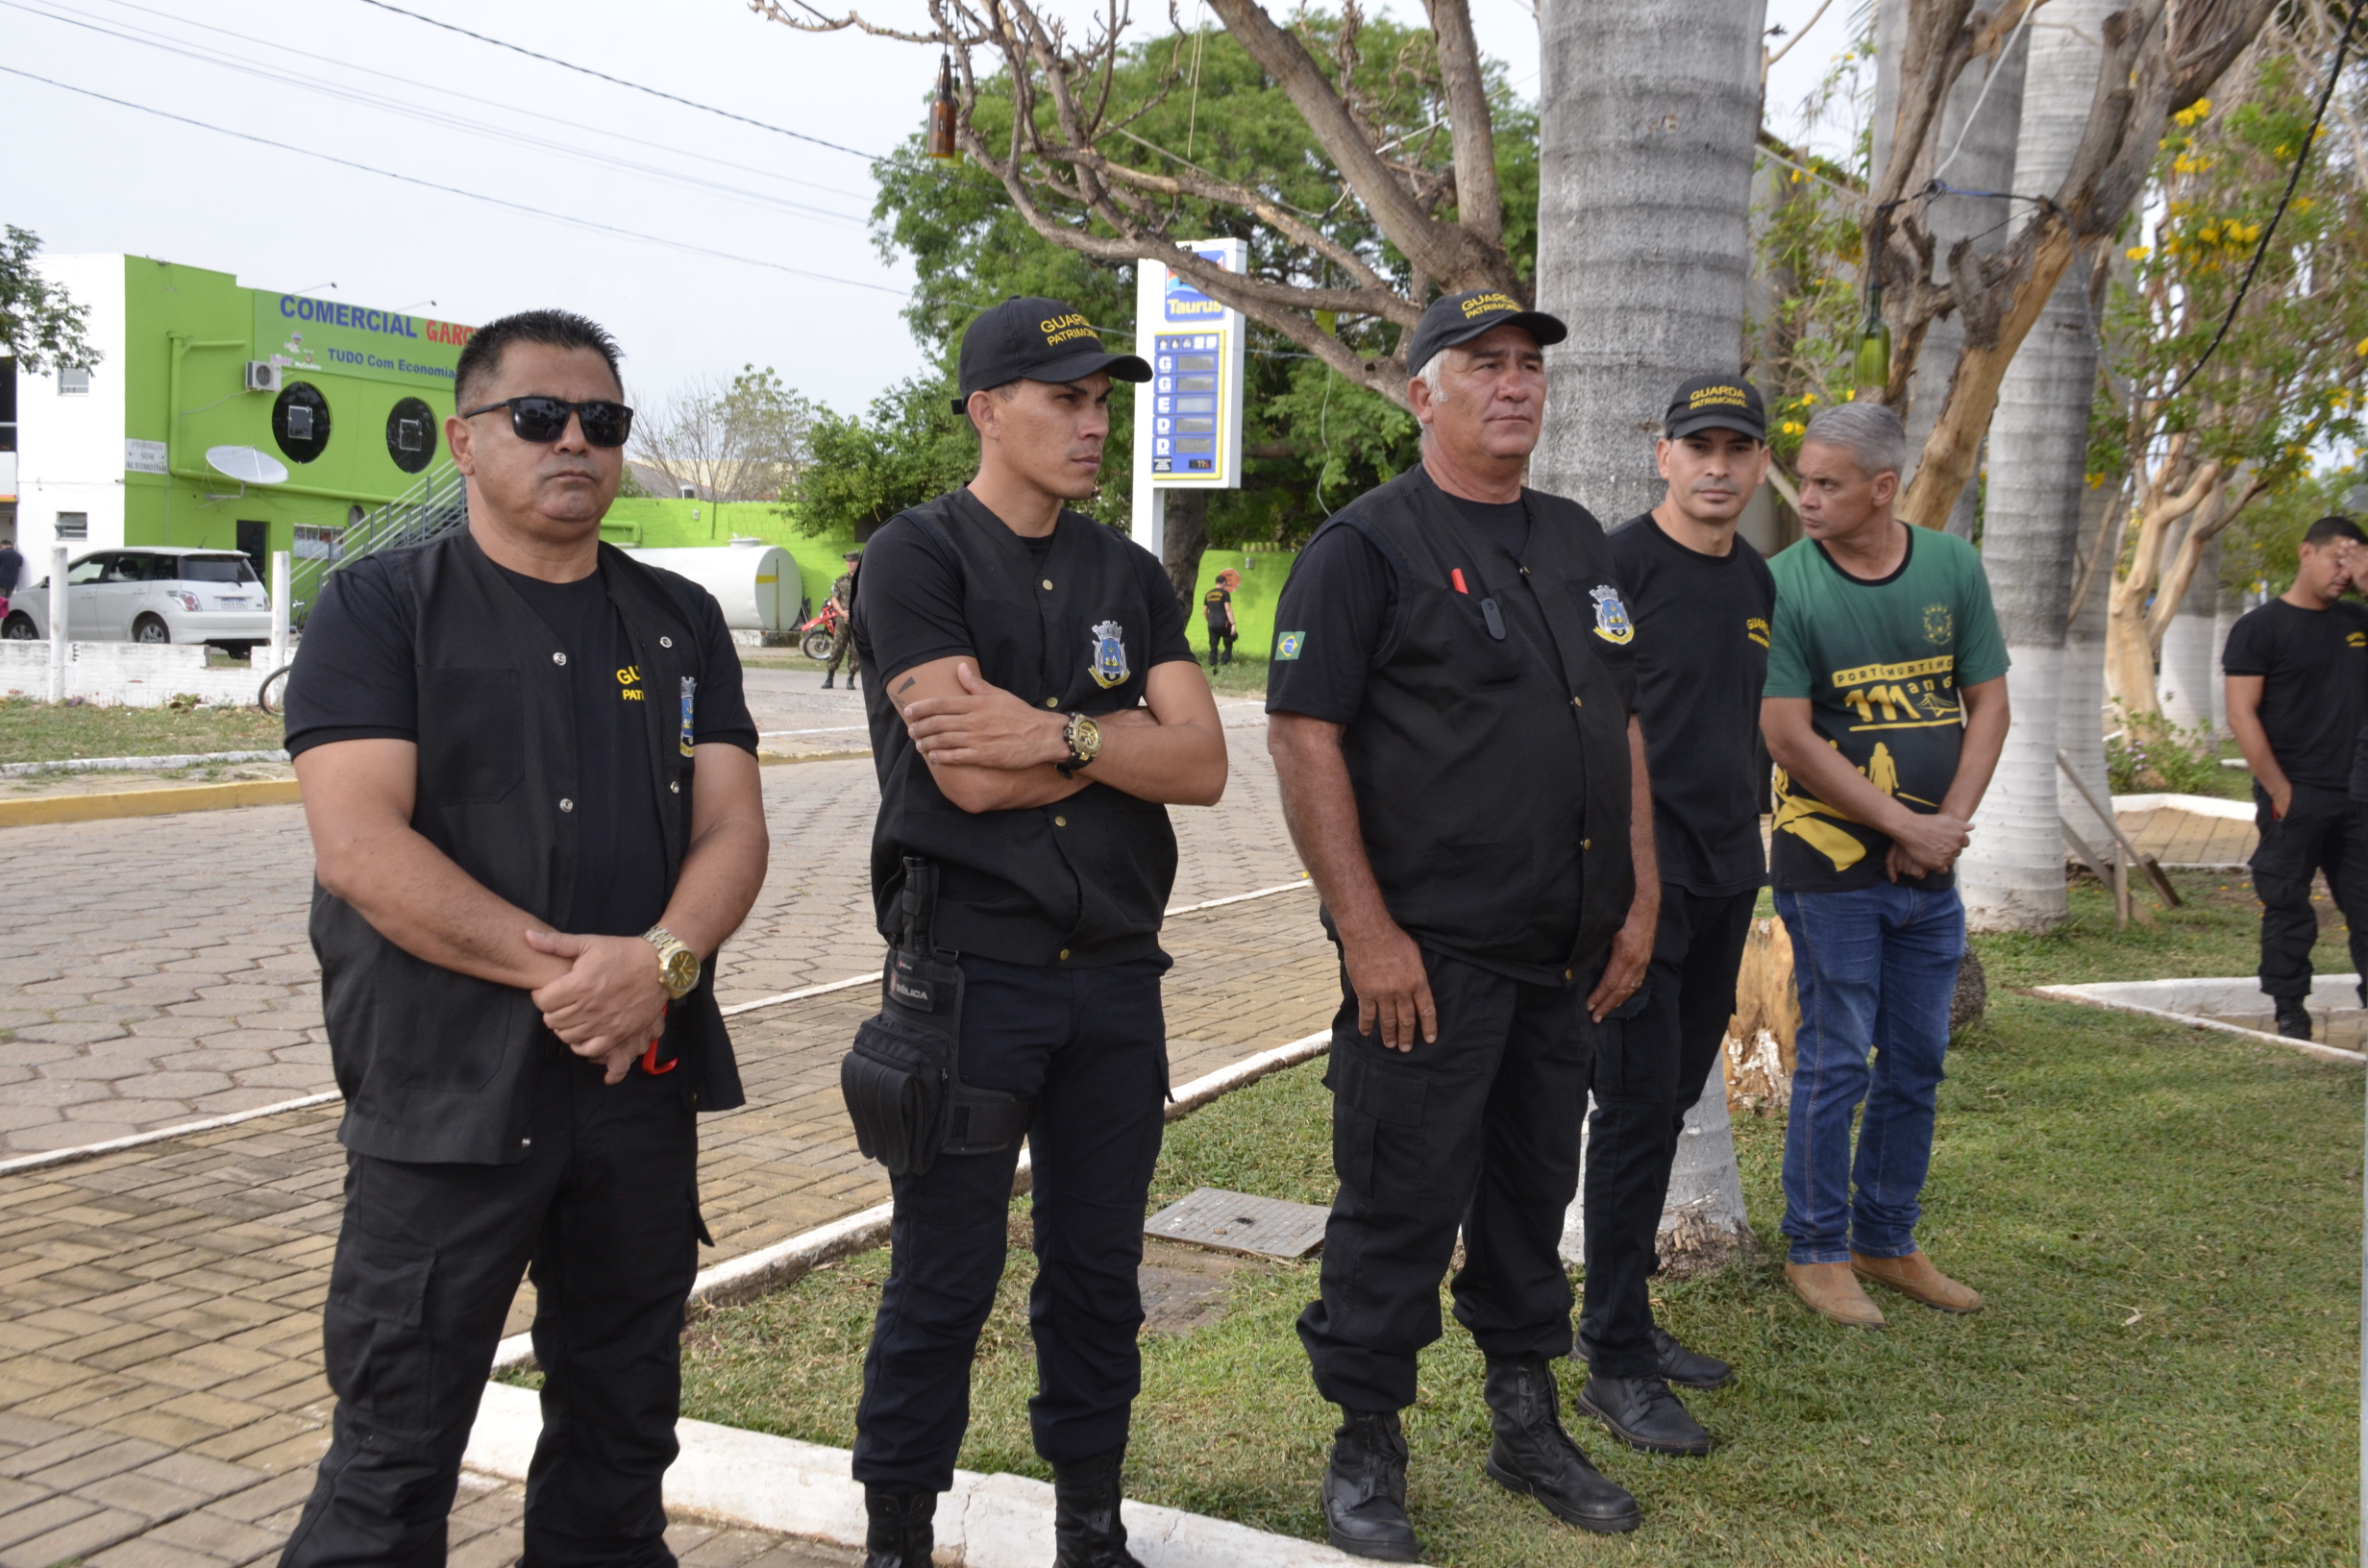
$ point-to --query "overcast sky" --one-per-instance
(798, 284)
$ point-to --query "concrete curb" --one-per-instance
(2173, 1002)
(163, 802)
(2195, 805)
(796, 1488)
(135, 765)
(770, 1268)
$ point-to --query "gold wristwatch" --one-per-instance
(1083, 737)
(677, 966)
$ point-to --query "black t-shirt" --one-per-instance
(12, 570)
(1216, 606)
(360, 682)
(1344, 599)
(1701, 663)
(1504, 523)
(2313, 665)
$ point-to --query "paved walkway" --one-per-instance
(156, 970)
(160, 1394)
(2186, 838)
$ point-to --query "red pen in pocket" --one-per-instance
(1455, 576)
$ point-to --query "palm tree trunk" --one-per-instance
(1648, 117)
(2188, 674)
(2080, 712)
(2013, 877)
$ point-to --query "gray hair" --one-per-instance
(1868, 432)
(1433, 373)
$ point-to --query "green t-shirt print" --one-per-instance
(1881, 664)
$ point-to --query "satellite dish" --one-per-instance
(246, 465)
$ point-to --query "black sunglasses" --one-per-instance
(545, 418)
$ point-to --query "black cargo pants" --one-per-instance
(2321, 831)
(1652, 1058)
(1091, 1047)
(606, 1211)
(1480, 1129)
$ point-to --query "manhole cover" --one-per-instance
(1237, 1222)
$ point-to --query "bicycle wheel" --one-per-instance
(274, 690)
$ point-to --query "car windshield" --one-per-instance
(216, 569)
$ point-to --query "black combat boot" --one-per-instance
(897, 1531)
(1364, 1489)
(1643, 1413)
(829, 678)
(1688, 1368)
(1533, 1454)
(2293, 1018)
(1086, 1526)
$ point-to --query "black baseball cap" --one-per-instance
(1030, 338)
(1715, 403)
(1459, 318)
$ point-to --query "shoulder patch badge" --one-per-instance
(1939, 624)
(1612, 623)
(1106, 656)
(1287, 644)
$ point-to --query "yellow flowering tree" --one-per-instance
(2191, 450)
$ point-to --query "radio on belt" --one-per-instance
(1188, 416)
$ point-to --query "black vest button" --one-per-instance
(1052, 701)
(1060, 822)
(1587, 844)
(559, 659)
(665, 642)
(674, 787)
(1048, 585)
(565, 804)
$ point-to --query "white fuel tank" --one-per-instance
(756, 583)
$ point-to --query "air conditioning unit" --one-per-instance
(262, 376)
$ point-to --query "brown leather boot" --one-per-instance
(1831, 1290)
(1914, 1276)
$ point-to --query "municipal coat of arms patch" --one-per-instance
(1106, 657)
(1612, 623)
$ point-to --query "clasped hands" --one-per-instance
(610, 1005)
(1928, 842)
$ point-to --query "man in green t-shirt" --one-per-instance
(1884, 712)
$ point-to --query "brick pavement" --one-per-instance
(2184, 838)
(161, 1395)
(156, 970)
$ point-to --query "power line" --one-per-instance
(455, 190)
(2310, 138)
(209, 55)
(376, 72)
(586, 70)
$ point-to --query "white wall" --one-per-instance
(69, 450)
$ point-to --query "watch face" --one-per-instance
(681, 969)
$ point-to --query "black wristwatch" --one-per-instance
(1083, 738)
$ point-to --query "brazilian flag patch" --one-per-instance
(1287, 644)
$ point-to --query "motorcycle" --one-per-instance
(817, 637)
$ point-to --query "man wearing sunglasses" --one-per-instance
(532, 784)
(1034, 710)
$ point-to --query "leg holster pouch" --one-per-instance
(903, 1080)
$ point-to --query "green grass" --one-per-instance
(44, 732)
(2166, 1225)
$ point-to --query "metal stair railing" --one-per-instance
(436, 505)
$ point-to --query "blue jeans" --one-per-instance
(1876, 969)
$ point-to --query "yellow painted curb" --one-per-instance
(90, 808)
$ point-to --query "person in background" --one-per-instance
(1449, 710)
(1885, 711)
(1216, 610)
(1701, 599)
(531, 785)
(843, 595)
(11, 572)
(2297, 697)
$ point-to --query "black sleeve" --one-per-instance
(354, 677)
(1328, 623)
(1165, 639)
(2247, 652)
(910, 610)
(721, 715)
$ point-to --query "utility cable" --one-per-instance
(618, 80)
(1989, 79)
(2311, 139)
(207, 56)
(455, 190)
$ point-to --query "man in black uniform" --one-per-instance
(532, 784)
(2297, 671)
(1035, 708)
(843, 595)
(1449, 705)
(1701, 599)
(1216, 610)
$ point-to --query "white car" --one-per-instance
(152, 593)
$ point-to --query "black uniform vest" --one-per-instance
(1489, 755)
(435, 1064)
(1081, 882)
